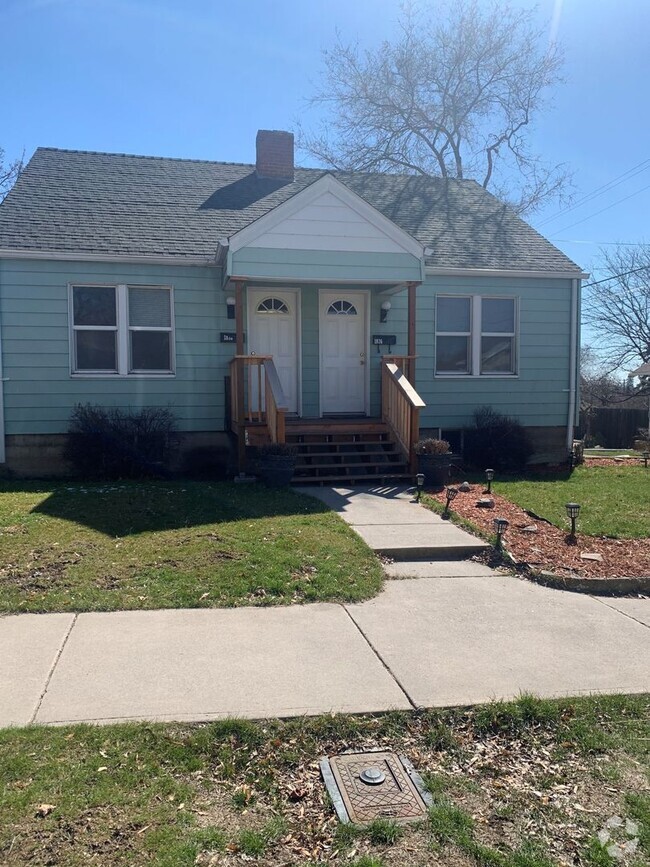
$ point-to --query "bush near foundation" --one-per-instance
(498, 441)
(109, 442)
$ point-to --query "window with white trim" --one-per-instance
(122, 330)
(476, 335)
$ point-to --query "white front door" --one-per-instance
(273, 330)
(343, 352)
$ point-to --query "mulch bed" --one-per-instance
(612, 462)
(547, 548)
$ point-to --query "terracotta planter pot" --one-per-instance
(436, 470)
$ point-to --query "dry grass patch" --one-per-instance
(524, 784)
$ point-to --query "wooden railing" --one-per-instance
(400, 406)
(276, 404)
(256, 397)
(405, 363)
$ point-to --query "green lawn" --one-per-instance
(71, 547)
(615, 501)
(525, 784)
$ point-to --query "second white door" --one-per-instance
(343, 352)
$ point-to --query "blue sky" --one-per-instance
(197, 78)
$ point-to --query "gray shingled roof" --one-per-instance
(84, 202)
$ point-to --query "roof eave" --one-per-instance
(133, 258)
(507, 272)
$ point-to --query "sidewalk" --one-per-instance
(467, 635)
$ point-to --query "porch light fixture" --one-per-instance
(646, 458)
(573, 510)
(230, 304)
(500, 526)
(489, 475)
(385, 307)
(451, 494)
(420, 485)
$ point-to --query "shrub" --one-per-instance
(496, 440)
(431, 446)
(109, 442)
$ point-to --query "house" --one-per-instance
(278, 303)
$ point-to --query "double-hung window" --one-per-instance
(476, 335)
(122, 330)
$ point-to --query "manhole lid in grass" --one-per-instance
(374, 785)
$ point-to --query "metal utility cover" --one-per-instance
(401, 795)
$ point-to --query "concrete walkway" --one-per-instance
(393, 524)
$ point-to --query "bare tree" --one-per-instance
(618, 310)
(8, 173)
(599, 386)
(453, 95)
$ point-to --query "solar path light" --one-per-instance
(573, 510)
(489, 475)
(500, 526)
(451, 494)
(420, 485)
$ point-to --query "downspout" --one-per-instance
(3, 456)
(573, 367)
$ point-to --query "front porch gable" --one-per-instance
(326, 232)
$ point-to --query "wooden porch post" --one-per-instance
(239, 316)
(239, 350)
(411, 332)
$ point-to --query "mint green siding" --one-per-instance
(39, 391)
(273, 264)
(539, 394)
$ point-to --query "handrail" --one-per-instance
(276, 403)
(404, 362)
(400, 408)
(256, 397)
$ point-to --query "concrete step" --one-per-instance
(438, 569)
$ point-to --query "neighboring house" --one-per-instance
(134, 281)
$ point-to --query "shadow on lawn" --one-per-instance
(129, 508)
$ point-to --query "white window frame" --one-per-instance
(476, 333)
(123, 330)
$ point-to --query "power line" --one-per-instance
(602, 210)
(616, 276)
(602, 243)
(599, 191)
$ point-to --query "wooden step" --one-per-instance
(342, 466)
(390, 450)
(351, 479)
(326, 427)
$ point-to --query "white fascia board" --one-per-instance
(316, 281)
(504, 272)
(326, 184)
(58, 256)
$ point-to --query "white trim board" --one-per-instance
(57, 256)
(329, 188)
(503, 272)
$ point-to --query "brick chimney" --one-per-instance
(274, 154)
